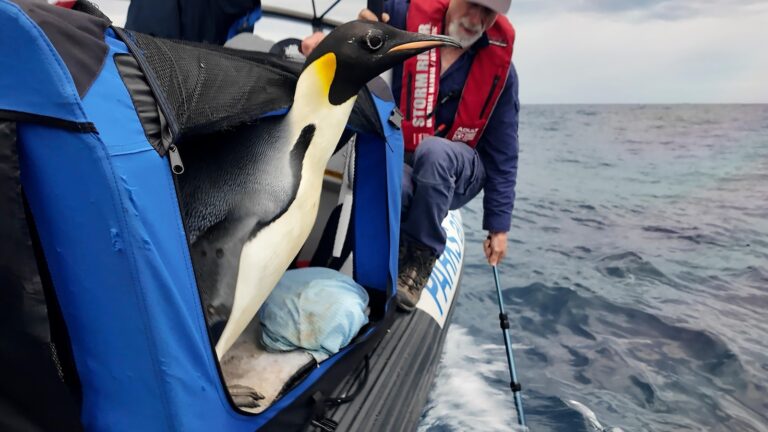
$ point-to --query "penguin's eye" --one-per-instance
(374, 40)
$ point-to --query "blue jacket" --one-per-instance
(498, 146)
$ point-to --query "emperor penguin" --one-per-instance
(250, 209)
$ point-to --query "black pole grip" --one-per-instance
(504, 321)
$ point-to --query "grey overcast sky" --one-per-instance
(614, 51)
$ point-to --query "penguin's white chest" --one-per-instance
(297, 222)
(265, 257)
(278, 243)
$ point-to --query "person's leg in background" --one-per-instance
(445, 176)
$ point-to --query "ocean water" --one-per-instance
(636, 281)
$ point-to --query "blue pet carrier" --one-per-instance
(95, 248)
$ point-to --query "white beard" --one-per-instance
(455, 31)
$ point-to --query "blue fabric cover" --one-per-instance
(316, 309)
(33, 78)
(244, 24)
(108, 218)
(105, 206)
(377, 222)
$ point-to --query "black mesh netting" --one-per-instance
(205, 89)
(91, 9)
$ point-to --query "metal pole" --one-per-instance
(504, 322)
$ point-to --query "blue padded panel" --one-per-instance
(34, 79)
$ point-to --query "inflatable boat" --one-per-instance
(103, 324)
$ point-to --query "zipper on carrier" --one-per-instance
(490, 95)
(177, 166)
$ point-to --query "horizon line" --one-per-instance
(643, 103)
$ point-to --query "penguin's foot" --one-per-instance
(244, 396)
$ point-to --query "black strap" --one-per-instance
(348, 397)
(29, 378)
(319, 419)
(325, 424)
(22, 117)
(322, 403)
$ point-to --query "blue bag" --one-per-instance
(316, 309)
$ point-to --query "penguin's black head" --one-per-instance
(356, 52)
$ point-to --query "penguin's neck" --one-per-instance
(311, 106)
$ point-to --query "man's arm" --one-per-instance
(498, 149)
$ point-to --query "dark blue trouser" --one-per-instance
(444, 176)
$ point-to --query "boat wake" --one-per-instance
(469, 392)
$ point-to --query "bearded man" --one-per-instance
(460, 115)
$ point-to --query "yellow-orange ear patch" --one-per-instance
(325, 69)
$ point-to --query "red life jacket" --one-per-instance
(421, 78)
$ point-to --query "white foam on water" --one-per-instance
(463, 397)
(590, 416)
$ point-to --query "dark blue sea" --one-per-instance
(636, 281)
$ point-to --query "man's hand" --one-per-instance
(495, 247)
(310, 42)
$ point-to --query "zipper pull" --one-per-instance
(441, 131)
(445, 99)
(177, 166)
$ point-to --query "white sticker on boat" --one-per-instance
(437, 298)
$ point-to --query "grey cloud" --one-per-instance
(651, 9)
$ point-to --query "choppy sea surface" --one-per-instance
(636, 281)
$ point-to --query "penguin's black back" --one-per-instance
(234, 184)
